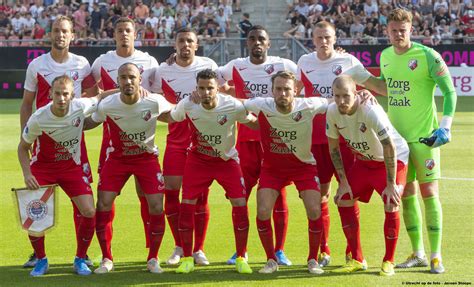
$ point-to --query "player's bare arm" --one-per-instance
(390, 158)
(377, 85)
(24, 158)
(166, 117)
(336, 158)
(26, 108)
(253, 124)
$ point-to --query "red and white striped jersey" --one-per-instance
(43, 70)
(286, 138)
(131, 127)
(176, 83)
(105, 68)
(317, 77)
(58, 139)
(253, 81)
(364, 130)
(213, 131)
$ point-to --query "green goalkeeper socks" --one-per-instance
(413, 222)
(434, 222)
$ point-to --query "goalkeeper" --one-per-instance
(411, 72)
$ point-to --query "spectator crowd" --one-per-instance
(365, 21)
(357, 21)
(157, 20)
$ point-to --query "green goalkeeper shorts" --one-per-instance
(424, 163)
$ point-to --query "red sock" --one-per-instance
(186, 227)
(280, 220)
(201, 222)
(76, 216)
(325, 233)
(315, 229)
(104, 231)
(145, 218)
(350, 226)
(156, 229)
(265, 233)
(172, 213)
(390, 231)
(85, 234)
(240, 220)
(38, 246)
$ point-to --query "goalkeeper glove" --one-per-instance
(438, 138)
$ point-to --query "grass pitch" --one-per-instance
(130, 254)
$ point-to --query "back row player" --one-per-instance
(316, 73)
(39, 77)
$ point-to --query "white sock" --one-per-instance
(436, 255)
(420, 253)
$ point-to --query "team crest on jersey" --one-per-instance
(362, 127)
(36, 210)
(76, 122)
(337, 70)
(297, 116)
(146, 115)
(222, 119)
(74, 75)
(430, 164)
(141, 69)
(412, 64)
(269, 68)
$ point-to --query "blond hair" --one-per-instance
(399, 15)
(325, 24)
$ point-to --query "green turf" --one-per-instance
(130, 254)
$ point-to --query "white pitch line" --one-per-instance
(458, 178)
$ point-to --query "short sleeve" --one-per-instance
(88, 105)
(379, 122)
(224, 73)
(178, 113)
(96, 69)
(32, 130)
(156, 82)
(163, 105)
(242, 115)
(99, 115)
(254, 105)
(359, 73)
(318, 105)
(331, 130)
(290, 66)
(31, 82)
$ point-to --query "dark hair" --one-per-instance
(206, 74)
(246, 15)
(128, 64)
(256, 28)
(185, 30)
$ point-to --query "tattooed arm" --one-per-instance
(336, 158)
(390, 157)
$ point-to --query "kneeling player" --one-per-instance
(56, 130)
(381, 164)
(212, 157)
(131, 118)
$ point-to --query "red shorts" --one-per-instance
(365, 176)
(199, 175)
(250, 155)
(115, 173)
(324, 163)
(304, 178)
(174, 160)
(72, 181)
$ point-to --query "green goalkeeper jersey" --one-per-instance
(411, 80)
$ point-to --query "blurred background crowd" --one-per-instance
(357, 21)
